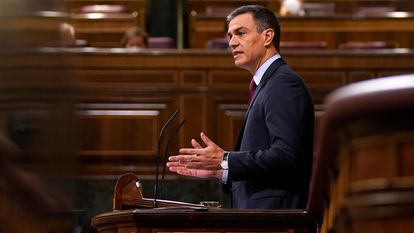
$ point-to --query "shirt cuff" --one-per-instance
(224, 176)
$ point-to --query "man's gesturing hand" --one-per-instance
(198, 161)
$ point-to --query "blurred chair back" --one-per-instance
(303, 45)
(363, 174)
(103, 8)
(318, 8)
(374, 10)
(161, 42)
(368, 45)
(218, 43)
(219, 10)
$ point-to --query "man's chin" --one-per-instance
(240, 64)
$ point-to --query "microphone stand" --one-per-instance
(158, 154)
(165, 154)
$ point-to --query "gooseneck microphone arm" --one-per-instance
(158, 154)
(165, 154)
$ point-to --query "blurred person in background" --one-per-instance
(67, 35)
(135, 37)
(291, 8)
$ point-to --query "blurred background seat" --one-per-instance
(219, 10)
(103, 8)
(368, 45)
(218, 43)
(319, 8)
(303, 45)
(161, 42)
(374, 10)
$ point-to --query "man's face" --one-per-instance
(247, 45)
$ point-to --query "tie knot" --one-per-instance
(252, 86)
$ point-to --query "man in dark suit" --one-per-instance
(271, 165)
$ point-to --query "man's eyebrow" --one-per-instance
(237, 29)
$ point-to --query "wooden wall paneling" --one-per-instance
(119, 129)
(227, 103)
(357, 76)
(205, 85)
(203, 28)
(103, 29)
(239, 79)
(194, 111)
(35, 29)
(405, 149)
(120, 137)
(230, 119)
(320, 83)
(365, 150)
(144, 79)
(193, 78)
(383, 203)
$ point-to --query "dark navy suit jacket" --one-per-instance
(271, 166)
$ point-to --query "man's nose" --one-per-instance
(232, 42)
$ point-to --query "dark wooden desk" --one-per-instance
(211, 220)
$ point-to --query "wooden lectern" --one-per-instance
(133, 213)
(128, 195)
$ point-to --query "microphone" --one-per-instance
(158, 154)
(165, 153)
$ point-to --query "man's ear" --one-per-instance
(268, 36)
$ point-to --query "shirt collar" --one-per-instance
(262, 69)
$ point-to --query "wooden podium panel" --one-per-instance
(211, 220)
(132, 213)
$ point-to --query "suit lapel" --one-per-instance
(266, 76)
